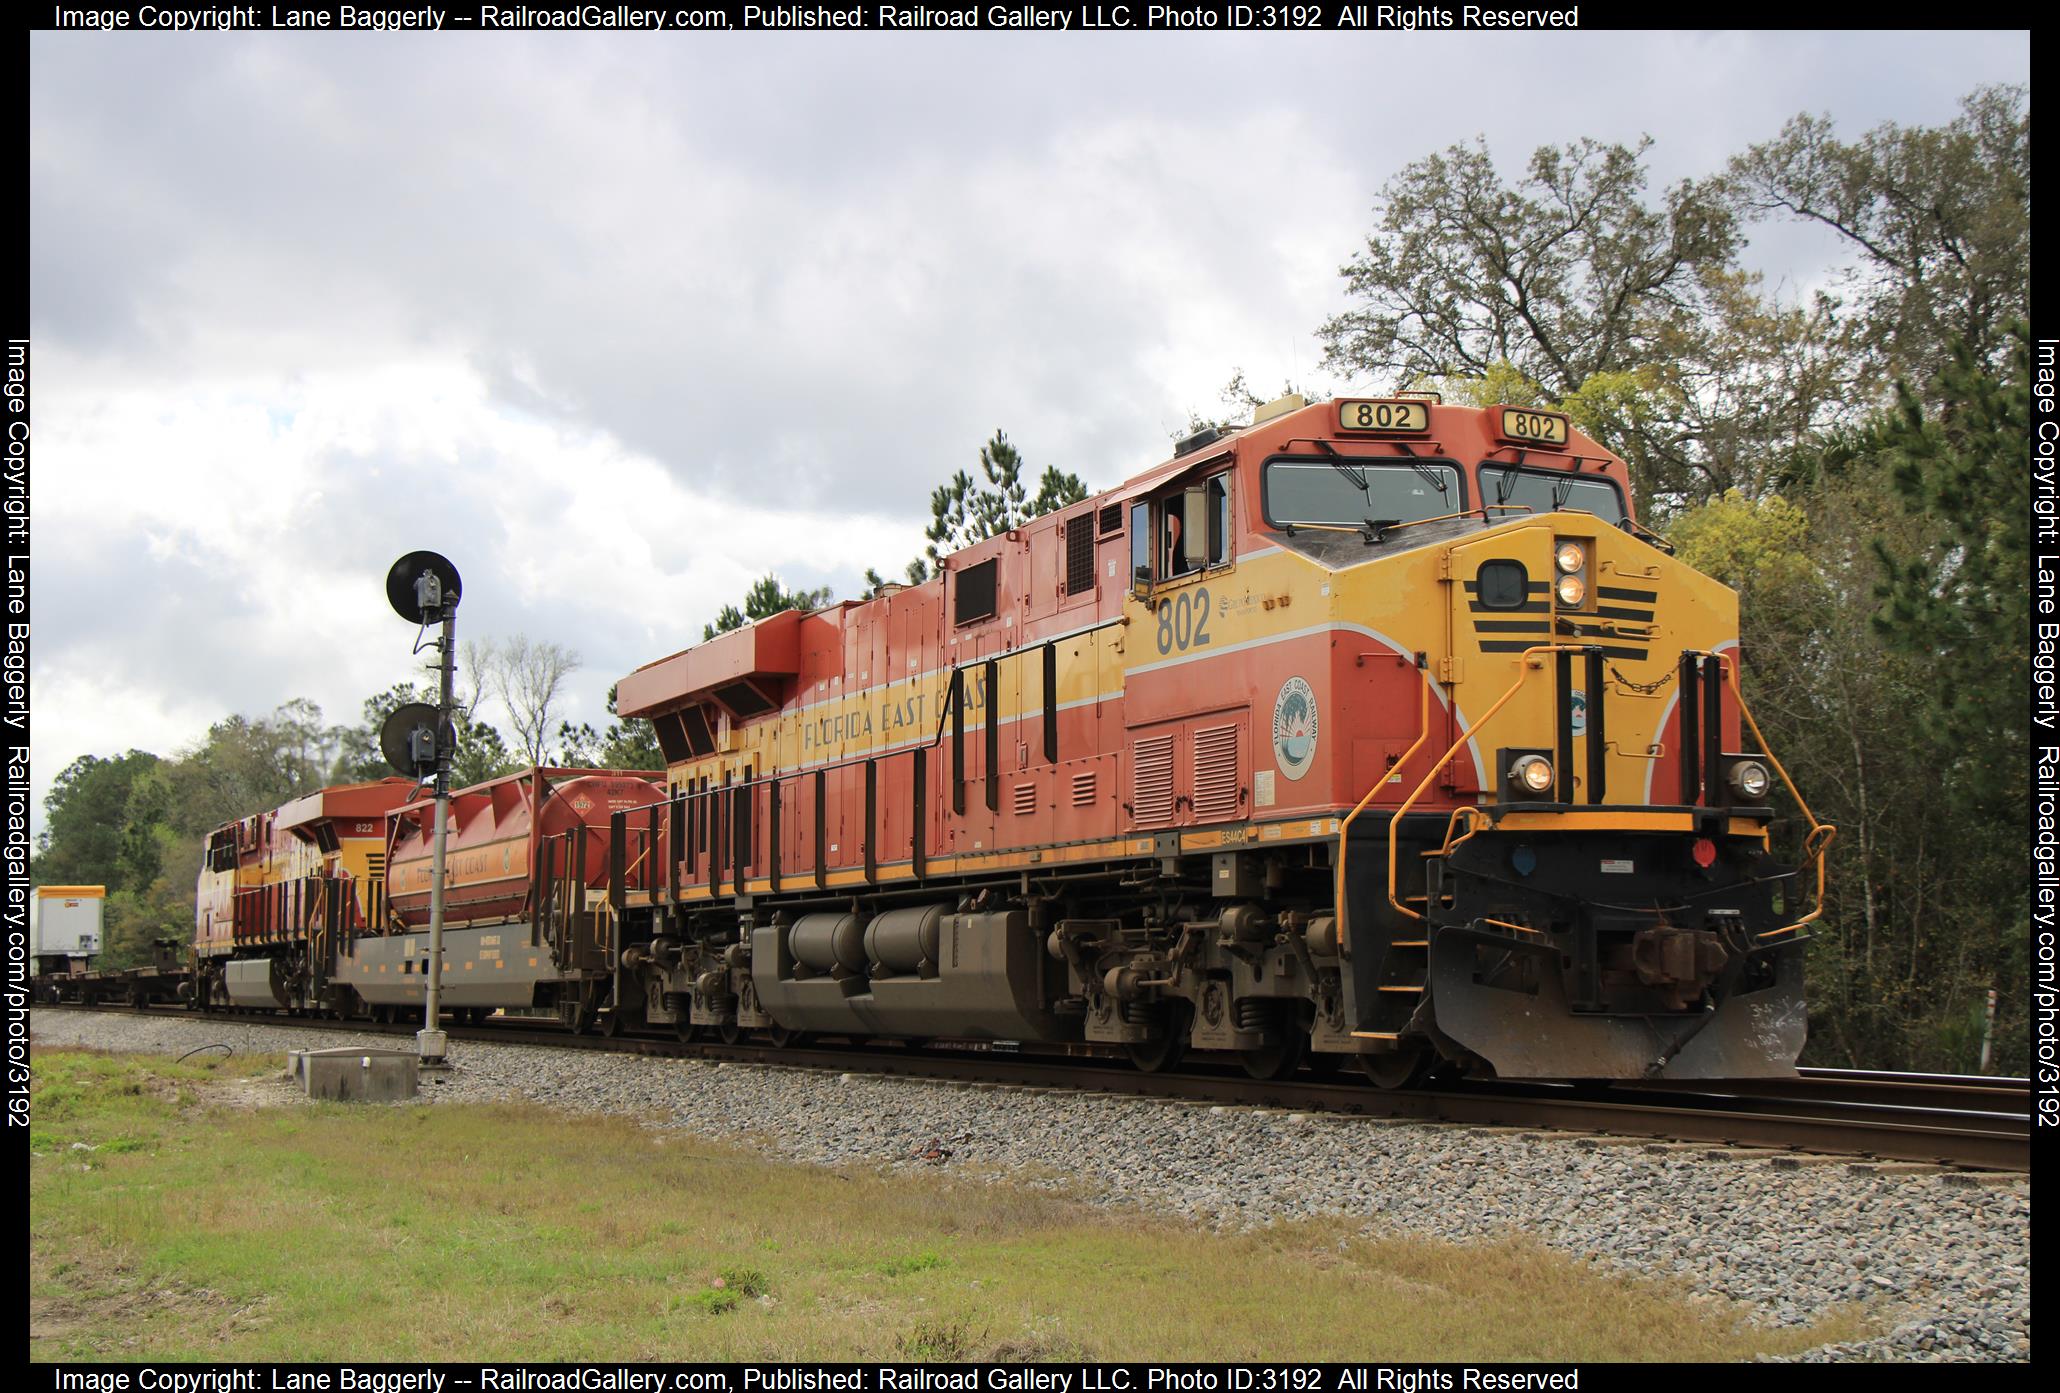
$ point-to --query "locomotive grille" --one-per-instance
(1083, 789)
(1080, 554)
(1026, 799)
(1215, 774)
(1151, 793)
(1112, 519)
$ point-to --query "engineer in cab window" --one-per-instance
(1177, 563)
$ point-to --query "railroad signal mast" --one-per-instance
(419, 741)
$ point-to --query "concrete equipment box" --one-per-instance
(356, 1074)
(68, 920)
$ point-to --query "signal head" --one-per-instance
(422, 587)
(413, 739)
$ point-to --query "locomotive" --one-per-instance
(322, 906)
(1378, 732)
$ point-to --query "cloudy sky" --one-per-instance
(618, 323)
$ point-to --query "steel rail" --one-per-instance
(1826, 1112)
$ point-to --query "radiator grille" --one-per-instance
(1080, 554)
(1083, 789)
(1112, 519)
(1026, 799)
(1216, 774)
(1151, 777)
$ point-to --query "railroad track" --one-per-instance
(1962, 1121)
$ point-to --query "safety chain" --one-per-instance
(1642, 688)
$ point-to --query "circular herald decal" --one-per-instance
(1294, 728)
(1578, 701)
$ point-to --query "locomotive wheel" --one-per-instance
(1278, 1058)
(1323, 1064)
(1403, 1068)
(612, 1024)
(685, 1028)
(1166, 1052)
(785, 1039)
(729, 1032)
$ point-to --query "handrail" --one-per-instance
(1423, 733)
(1821, 834)
(1523, 672)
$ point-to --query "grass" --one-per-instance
(171, 1219)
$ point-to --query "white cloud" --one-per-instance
(621, 325)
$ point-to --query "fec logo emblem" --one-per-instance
(1578, 702)
(1294, 728)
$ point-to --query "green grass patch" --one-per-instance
(171, 1219)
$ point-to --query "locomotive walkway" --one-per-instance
(1977, 1123)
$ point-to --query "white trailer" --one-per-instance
(68, 920)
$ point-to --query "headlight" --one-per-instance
(1532, 774)
(1570, 557)
(1749, 779)
(1572, 590)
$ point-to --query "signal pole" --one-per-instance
(417, 739)
(430, 1041)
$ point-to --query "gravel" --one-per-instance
(1942, 1266)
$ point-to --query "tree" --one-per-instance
(766, 597)
(1962, 601)
(84, 818)
(1940, 218)
(1240, 402)
(482, 753)
(245, 765)
(630, 743)
(1563, 274)
(528, 675)
(964, 510)
(1571, 283)
(916, 572)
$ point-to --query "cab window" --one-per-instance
(1194, 528)
(1352, 493)
(1552, 491)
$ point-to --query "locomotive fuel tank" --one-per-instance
(923, 971)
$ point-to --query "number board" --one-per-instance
(1539, 427)
(1387, 417)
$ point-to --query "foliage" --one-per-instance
(626, 744)
(766, 597)
(1239, 402)
(1940, 217)
(482, 753)
(1962, 600)
(528, 675)
(82, 841)
(964, 510)
(1570, 286)
(1854, 474)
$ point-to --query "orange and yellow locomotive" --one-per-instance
(1375, 731)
